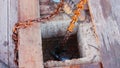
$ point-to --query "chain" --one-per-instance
(80, 6)
(27, 23)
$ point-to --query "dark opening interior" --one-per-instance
(49, 45)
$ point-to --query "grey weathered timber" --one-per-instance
(7, 19)
(105, 14)
(3, 34)
(12, 19)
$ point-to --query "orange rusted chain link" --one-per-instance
(80, 6)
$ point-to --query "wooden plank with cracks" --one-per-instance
(30, 46)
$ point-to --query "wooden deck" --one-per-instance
(105, 15)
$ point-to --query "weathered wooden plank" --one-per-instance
(30, 46)
(105, 14)
(12, 19)
(74, 66)
(95, 65)
(3, 34)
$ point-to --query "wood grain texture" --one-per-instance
(3, 33)
(7, 19)
(12, 19)
(30, 51)
(30, 46)
(105, 14)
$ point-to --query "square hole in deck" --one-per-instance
(71, 47)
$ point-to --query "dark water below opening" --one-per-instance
(49, 44)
